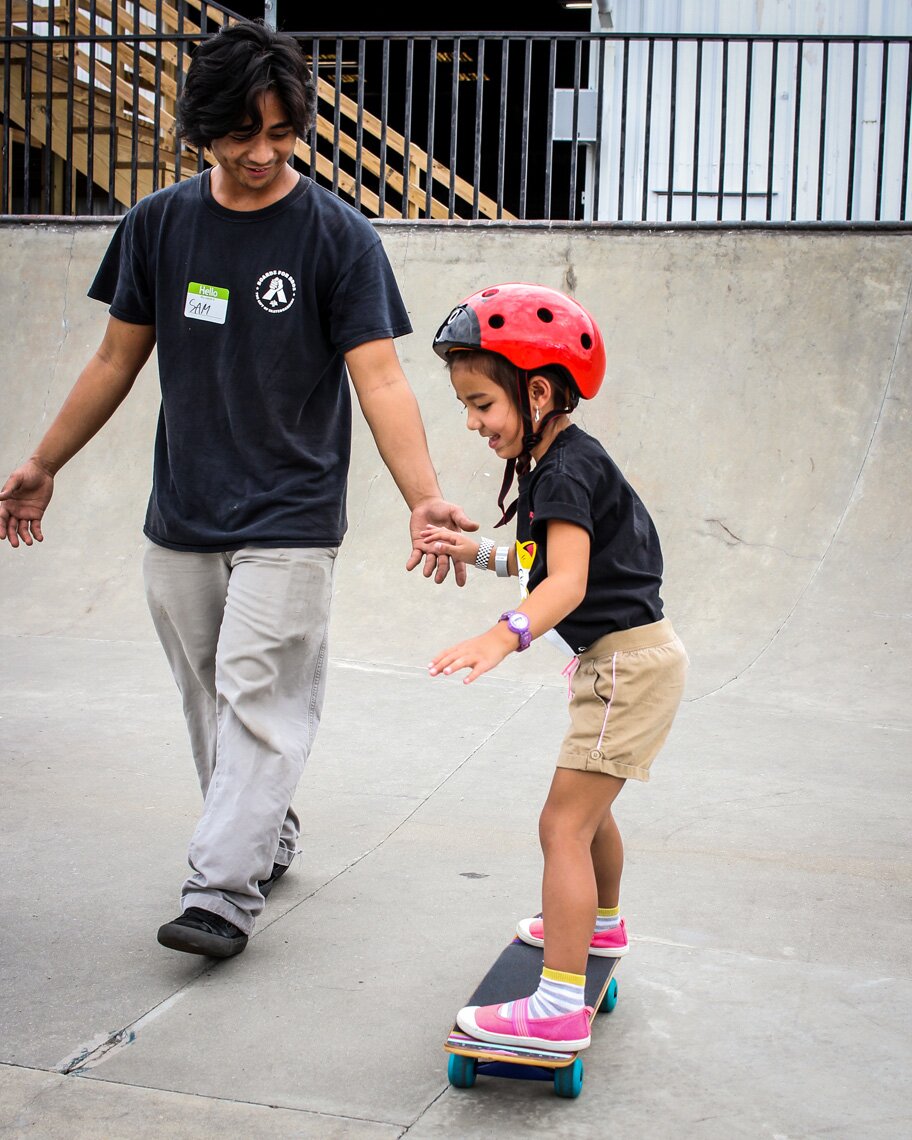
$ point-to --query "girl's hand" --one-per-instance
(479, 654)
(429, 514)
(440, 541)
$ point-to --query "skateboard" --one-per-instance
(515, 974)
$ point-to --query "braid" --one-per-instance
(532, 436)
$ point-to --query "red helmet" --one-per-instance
(532, 326)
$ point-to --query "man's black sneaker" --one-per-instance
(199, 931)
(266, 885)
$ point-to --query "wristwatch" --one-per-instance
(519, 624)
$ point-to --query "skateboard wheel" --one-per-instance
(610, 1000)
(568, 1081)
(461, 1071)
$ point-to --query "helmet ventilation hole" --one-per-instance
(545, 315)
(586, 341)
(496, 322)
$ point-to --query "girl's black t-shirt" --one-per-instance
(253, 312)
(577, 481)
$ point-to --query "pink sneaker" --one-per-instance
(563, 1034)
(608, 944)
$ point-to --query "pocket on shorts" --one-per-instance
(638, 693)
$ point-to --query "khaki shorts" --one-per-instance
(624, 697)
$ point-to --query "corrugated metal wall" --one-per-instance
(764, 17)
(806, 130)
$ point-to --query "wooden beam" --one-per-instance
(78, 145)
(374, 126)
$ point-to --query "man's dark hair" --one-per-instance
(229, 74)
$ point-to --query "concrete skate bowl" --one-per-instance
(757, 397)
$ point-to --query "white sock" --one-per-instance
(607, 918)
(558, 992)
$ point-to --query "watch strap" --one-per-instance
(524, 635)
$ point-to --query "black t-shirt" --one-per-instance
(252, 313)
(577, 481)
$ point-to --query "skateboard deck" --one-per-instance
(515, 974)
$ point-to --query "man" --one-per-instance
(259, 288)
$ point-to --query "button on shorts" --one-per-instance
(624, 696)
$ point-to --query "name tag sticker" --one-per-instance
(206, 303)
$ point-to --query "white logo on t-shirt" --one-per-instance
(275, 291)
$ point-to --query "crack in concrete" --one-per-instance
(363, 512)
(64, 320)
(737, 540)
(850, 502)
(207, 1097)
(98, 1050)
(96, 593)
(95, 1053)
(89, 1056)
(394, 670)
(427, 1108)
(402, 823)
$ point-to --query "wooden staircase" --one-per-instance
(107, 110)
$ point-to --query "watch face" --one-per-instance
(519, 623)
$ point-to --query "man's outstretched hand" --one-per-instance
(437, 512)
(23, 500)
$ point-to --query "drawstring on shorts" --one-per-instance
(569, 671)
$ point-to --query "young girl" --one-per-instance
(590, 566)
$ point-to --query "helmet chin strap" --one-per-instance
(532, 437)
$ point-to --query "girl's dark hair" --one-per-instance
(231, 71)
(513, 380)
(504, 374)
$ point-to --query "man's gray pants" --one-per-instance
(245, 633)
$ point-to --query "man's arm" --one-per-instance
(96, 395)
(391, 411)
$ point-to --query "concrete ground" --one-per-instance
(768, 990)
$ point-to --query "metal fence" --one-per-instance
(757, 129)
(633, 128)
